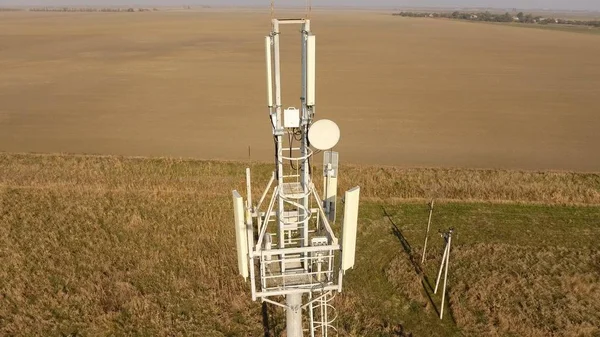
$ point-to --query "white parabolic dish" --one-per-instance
(324, 134)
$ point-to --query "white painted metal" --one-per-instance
(249, 225)
(311, 65)
(277, 68)
(268, 246)
(300, 250)
(324, 222)
(322, 314)
(350, 228)
(291, 118)
(240, 234)
(303, 73)
(333, 158)
(294, 315)
(278, 135)
(328, 193)
(307, 116)
(269, 56)
(296, 248)
(306, 290)
(330, 173)
(427, 233)
(262, 198)
(437, 282)
(263, 229)
(324, 134)
(446, 276)
(445, 263)
(292, 21)
(248, 189)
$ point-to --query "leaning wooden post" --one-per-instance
(427, 233)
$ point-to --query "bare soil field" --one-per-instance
(407, 92)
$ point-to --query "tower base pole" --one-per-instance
(294, 315)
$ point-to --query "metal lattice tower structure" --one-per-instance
(286, 246)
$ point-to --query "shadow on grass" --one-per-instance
(413, 260)
(265, 319)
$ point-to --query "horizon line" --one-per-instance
(383, 7)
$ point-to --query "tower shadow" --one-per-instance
(265, 319)
(413, 260)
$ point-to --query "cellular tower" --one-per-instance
(286, 245)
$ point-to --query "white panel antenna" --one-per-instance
(268, 44)
(311, 69)
(350, 228)
(241, 238)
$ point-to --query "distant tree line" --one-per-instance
(86, 9)
(506, 17)
(4, 9)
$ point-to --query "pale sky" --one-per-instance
(519, 4)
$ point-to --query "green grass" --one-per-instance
(145, 247)
(494, 247)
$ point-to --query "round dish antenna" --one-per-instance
(324, 134)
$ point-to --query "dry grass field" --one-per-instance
(145, 247)
(132, 243)
(405, 92)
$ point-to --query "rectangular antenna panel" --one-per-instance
(269, 71)
(350, 228)
(311, 69)
(241, 236)
(291, 118)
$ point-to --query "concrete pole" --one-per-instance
(294, 315)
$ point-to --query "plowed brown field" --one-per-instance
(410, 92)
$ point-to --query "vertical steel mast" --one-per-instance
(286, 246)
